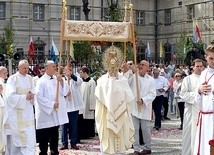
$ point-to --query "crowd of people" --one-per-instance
(120, 105)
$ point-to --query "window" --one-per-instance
(140, 18)
(167, 17)
(74, 13)
(190, 12)
(38, 12)
(2, 10)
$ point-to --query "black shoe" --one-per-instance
(63, 148)
(166, 118)
(156, 128)
(74, 147)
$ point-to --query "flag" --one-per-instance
(31, 49)
(54, 53)
(71, 49)
(161, 50)
(184, 50)
(173, 57)
(148, 50)
(196, 32)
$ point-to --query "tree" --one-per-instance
(194, 51)
(7, 40)
(180, 45)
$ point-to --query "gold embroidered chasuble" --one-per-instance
(112, 114)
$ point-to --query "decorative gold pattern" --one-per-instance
(117, 143)
(112, 60)
(20, 121)
(97, 31)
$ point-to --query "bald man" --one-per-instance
(20, 94)
(147, 95)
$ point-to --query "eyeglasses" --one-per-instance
(142, 64)
(177, 76)
(130, 64)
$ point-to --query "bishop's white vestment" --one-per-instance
(205, 120)
(112, 115)
(21, 113)
(187, 94)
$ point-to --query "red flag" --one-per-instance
(31, 49)
(198, 32)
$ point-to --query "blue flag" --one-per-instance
(54, 53)
(148, 50)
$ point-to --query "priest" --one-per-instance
(3, 114)
(20, 94)
(113, 100)
(191, 110)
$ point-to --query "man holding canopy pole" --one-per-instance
(50, 113)
(147, 95)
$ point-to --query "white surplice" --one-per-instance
(2, 133)
(191, 110)
(112, 114)
(76, 102)
(87, 90)
(2, 118)
(206, 115)
(46, 115)
(21, 114)
(147, 94)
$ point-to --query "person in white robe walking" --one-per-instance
(86, 118)
(204, 97)
(49, 112)
(74, 103)
(20, 94)
(113, 100)
(3, 113)
(191, 109)
(142, 118)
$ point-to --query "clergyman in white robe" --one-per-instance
(112, 114)
(46, 115)
(21, 114)
(2, 117)
(191, 110)
(2, 131)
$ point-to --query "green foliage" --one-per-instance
(180, 45)
(189, 46)
(7, 40)
(114, 12)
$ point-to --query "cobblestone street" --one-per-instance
(166, 141)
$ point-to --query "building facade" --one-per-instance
(156, 21)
